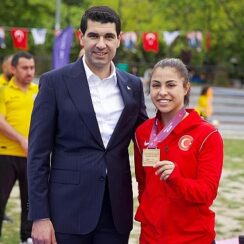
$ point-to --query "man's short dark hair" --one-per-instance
(19, 55)
(102, 14)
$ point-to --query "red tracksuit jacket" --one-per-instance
(177, 211)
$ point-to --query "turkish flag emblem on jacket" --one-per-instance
(150, 41)
(20, 38)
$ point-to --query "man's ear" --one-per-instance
(119, 38)
(80, 35)
(11, 68)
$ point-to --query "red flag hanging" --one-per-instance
(77, 35)
(150, 41)
(20, 38)
(208, 41)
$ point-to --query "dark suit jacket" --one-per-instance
(67, 161)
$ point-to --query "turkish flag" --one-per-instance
(20, 38)
(208, 41)
(150, 41)
(77, 35)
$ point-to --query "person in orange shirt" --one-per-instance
(178, 164)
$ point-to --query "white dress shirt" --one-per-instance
(107, 101)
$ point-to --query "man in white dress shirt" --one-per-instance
(84, 117)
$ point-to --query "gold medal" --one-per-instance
(150, 157)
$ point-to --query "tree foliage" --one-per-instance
(222, 18)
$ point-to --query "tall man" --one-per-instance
(16, 104)
(83, 120)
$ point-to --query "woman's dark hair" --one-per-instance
(102, 14)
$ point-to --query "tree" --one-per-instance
(222, 18)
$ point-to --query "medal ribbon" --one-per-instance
(156, 138)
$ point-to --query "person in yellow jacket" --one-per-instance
(16, 104)
(204, 104)
(7, 74)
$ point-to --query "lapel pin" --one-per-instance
(128, 88)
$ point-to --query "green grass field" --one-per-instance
(228, 205)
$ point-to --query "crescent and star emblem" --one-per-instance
(185, 142)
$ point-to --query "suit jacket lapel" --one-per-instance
(77, 85)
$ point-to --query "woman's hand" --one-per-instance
(164, 169)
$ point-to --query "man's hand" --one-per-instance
(24, 144)
(43, 232)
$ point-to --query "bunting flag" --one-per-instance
(129, 40)
(194, 39)
(150, 41)
(39, 35)
(61, 47)
(20, 38)
(208, 41)
(169, 37)
(77, 35)
(2, 38)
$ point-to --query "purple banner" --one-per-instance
(61, 47)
